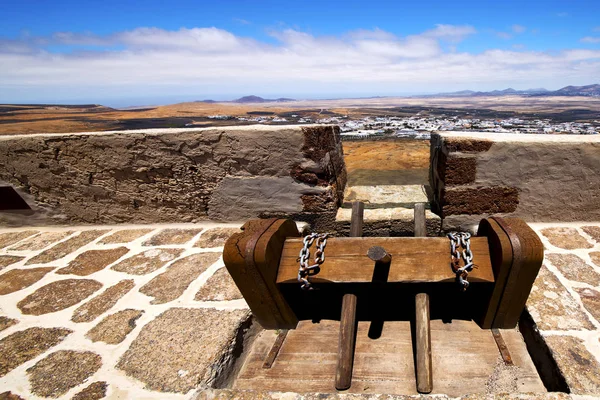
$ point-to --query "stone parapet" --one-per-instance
(539, 178)
(174, 175)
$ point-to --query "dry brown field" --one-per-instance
(382, 162)
(63, 119)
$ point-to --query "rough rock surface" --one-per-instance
(8, 238)
(215, 237)
(41, 241)
(172, 236)
(10, 396)
(64, 248)
(162, 175)
(591, 300)
(595, 256)
(574, 268)
(58, 295)
(147, 261)
(566, 238)
(25, 345)
(114, 328)
(125, 236)
(95, 391)
(5, 261)
(593, 231)
(172, 283)
(92, 261)
(219, 287)
(6, 323)
(176, 351)
(579, 367)
(103, 302)
(62, 370)
(552, 307)
(523, 163)
(17, 279)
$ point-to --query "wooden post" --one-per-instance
(343, 374)
(422, 319)
(356, 221)
(347, 339)
(423, 333)
(420, 226)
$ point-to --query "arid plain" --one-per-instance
(27, 119)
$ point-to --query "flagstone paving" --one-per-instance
(111, 312)
(150, 311)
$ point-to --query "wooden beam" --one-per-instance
(516, 254)
(528, 255)
(252, 259)
(275, 348)
(356, 221)
(420, 221)
(424, 370)
(347, 340)
(414, 260)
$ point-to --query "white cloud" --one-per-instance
(504, 35)
(153, 61)
(518, 28)
(451, 33)
(590, 39)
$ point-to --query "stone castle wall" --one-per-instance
(175, 175)
(540, 178)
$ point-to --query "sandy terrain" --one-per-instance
(400, 162)
(64, 119)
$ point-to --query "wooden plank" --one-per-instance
(420, 226)
(275, 349)
(464, 357)
(251, 257)
(413, 260)
(528, 255)
(423, 344)
(501, 257)
(267, 254)
(345, 359)
(356, 220)
(504, 352)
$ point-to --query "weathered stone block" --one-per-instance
(479, 200)
(180, 349)
(566, 238)
(169, 175)
(62, 370)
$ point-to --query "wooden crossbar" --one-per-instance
(414, 260)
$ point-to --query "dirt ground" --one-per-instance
(399, 162)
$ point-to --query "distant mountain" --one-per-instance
(257, 99)
(589, 90)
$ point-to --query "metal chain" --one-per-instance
(461, 239)
(305, 270)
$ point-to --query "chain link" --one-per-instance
(306, 270)
(461, 239)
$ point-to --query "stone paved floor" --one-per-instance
(143, 312)
(126, 312)
(565, 301)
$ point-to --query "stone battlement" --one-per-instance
(175, 175)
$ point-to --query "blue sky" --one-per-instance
(152, 52)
